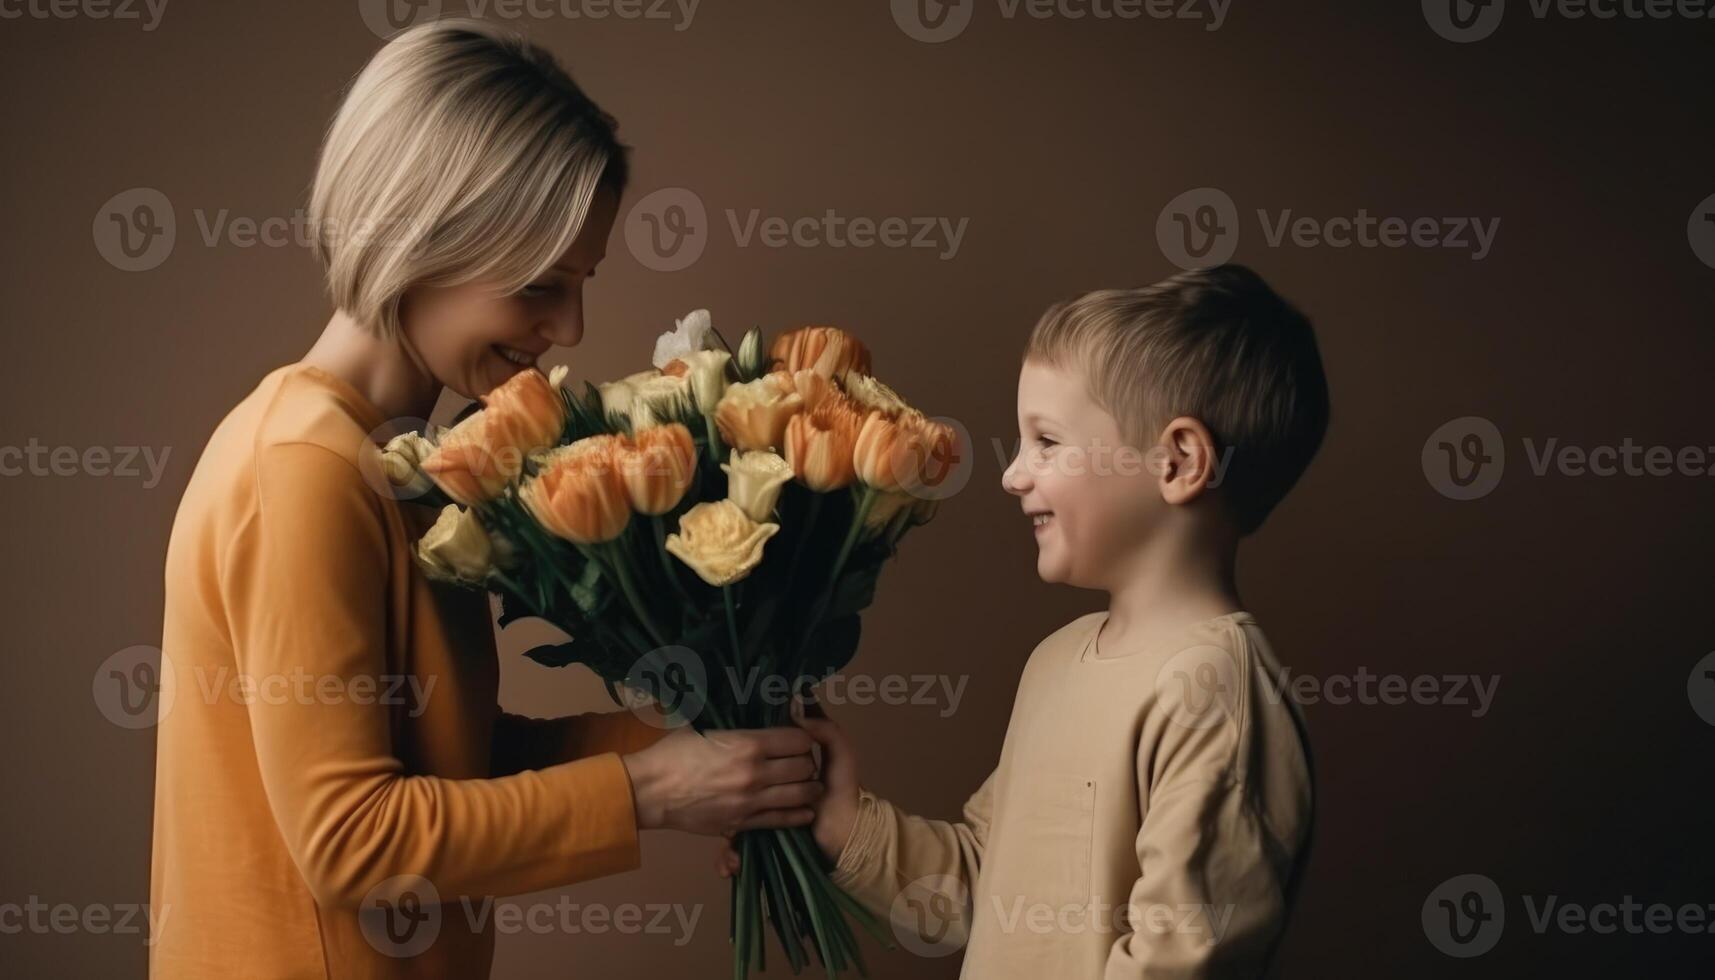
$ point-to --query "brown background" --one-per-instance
(1060, 140)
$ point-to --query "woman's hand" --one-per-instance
(723, 782)
(836, 811)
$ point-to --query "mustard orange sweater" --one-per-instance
(333, 758)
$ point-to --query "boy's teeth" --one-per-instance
(1040, 519)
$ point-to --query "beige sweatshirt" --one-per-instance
(1147, 819)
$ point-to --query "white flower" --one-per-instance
(706, 370)
(618, 397)
(688, 336)
(660, 399)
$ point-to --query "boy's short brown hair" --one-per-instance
(1216, 344)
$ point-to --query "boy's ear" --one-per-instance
(1186, 460)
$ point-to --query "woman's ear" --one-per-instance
(1186, 460)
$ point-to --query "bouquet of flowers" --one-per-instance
(705, 533)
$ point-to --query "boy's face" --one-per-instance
(1091, 497)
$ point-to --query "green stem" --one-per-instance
(660, 527)
(865, 501)
(615, 561)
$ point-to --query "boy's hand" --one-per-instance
(836, 810)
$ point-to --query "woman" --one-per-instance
(336, 743)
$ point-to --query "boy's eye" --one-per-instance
(1045, 441)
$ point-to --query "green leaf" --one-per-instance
(854, 593)
(554, 654)
(831, 647)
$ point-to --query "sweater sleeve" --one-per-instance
(917, 871)
(1210, 899)
(522, 743)
(304, 587)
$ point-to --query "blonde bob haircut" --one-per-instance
(461, 152)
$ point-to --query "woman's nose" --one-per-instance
(566, 326)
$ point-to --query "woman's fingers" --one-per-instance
(796, 769)
(785, 796)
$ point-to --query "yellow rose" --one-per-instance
(753, 415)
(754, 480)
(719, 541)
(456, 548)
(402, 460)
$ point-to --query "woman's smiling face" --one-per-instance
(474, 336)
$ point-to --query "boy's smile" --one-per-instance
(1085, 492)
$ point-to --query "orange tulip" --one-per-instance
(889, 454)
(829, 351)
(941, 444)
(658, 468)
(579, 494)
(819, 444)
(813, 388)
(477, 458)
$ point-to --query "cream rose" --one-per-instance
(719, 541)
(456, 548)
(754, 480)
(402, 459)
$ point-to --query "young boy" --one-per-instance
(1152, 806)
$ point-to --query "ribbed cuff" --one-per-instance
(865, 839)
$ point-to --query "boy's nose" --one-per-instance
(1015, 479)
